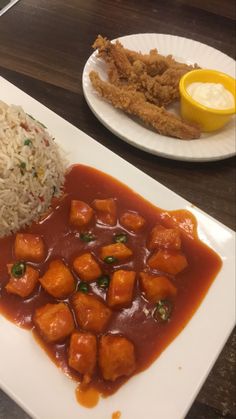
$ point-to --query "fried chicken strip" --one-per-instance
(134, 103)
(161, 89)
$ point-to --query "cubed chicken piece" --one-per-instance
(167, 238)
(170, 261)
(80, 213)
(58, 281)
(91, 313)
(157, 287)
(132, 221)
(23, 285)
(121, 288)
(86, 267)
(118, 251)
(106, 211)
(54, 322)
(83, 353)
(29, 247)
(116, 357)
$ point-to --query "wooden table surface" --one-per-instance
(43, 48)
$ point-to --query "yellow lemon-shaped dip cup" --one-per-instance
(207, 117)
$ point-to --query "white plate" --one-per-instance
(217, 146)
(164, 390)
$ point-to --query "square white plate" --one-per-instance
(166, 389)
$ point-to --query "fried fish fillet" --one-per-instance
(137, 71)
(134, 103)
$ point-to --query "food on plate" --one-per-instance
(132, 70)
(135, 103)
(116, 357)
(87, 267)
(142, 85)
(106, 281)
(23, 279)
(58, 281)
(54, 322)
(32, 169)
(121, 288)
(29, 247)
(83, 354)
(91, 312)
(80, 213)
(211, 95)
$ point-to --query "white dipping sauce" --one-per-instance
(212, 95)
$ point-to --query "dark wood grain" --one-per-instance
(43, 48)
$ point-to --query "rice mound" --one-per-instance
(32, 169)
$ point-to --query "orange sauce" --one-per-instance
(149, 337)
(87, 396)
(116, 415)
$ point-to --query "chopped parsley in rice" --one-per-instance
(32, 169)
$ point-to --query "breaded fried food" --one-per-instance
(134, 103)
(154, 75)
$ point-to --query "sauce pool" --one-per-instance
(136, 322)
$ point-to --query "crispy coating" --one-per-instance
(134, 103)
(153, 74)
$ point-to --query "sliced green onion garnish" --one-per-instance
(163, 310)
(120, 238)
(27, 141)
(110, 259)
(103, 281)
(18, 269)
(87, 237)
(83, 287)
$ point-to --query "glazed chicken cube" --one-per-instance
(116, 357)
(167, 238)
(58, 280)
(91, 313)
(157, 287)
(86, 267)
(54, 322)
(121, 288)
(23, 285)
(29, 247)
(83, 353)
(170, 261)
(132, 221)
(106, 211)
(118, 251)
(80, 213)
